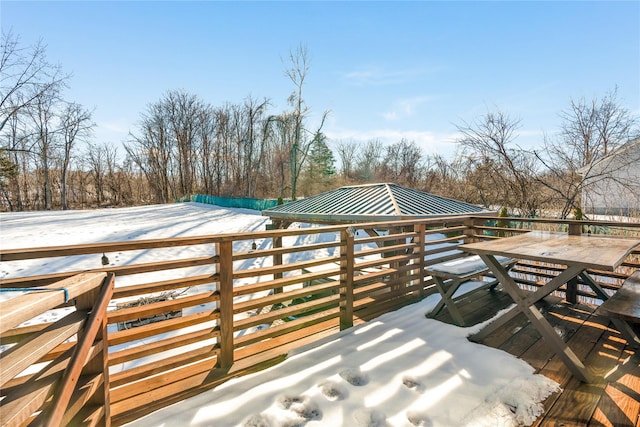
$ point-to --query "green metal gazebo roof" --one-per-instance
(371, 202)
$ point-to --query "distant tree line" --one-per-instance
(183, 145)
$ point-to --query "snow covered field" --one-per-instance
(400, 370)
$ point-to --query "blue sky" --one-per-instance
(386, 70)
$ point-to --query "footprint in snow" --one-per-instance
(301, 407)
(413, 384)
(258, 420)
(369, 418)
(333, 391)
(419, 419)
(354, 376)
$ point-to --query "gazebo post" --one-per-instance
(277, 244)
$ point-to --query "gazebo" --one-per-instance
(369, 203)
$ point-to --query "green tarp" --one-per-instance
(230, 202)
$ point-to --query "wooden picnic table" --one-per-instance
(577, 252)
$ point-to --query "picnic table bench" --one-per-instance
(624, 305)
(449, 276)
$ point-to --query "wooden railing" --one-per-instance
(74, 388)
(189, 313)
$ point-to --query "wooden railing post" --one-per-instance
(225, 288)
(277, 260)
(346, 277)
(571, 294)
(94, 334)
(470, 231)
(575, 229)
(419, 252)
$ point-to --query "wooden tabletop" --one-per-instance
(600, 253)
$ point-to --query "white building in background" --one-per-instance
(612, 184)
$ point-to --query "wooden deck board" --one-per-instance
(612, 400)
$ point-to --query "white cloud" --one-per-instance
(405, 107)
(376, 76)
(112, 130)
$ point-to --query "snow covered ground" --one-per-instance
(400, 370)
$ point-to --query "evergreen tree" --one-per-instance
(321, 169)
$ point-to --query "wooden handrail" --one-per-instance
(59, 378)
(24, 307)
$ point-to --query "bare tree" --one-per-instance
(590, 130)
(488, 147)
(95, 159)
(302, 138)
(116, 182)
(369, 160)
(75, 124)
(347, 155)
(280, 136)
(43, 115)
(209, 155)
(14, 147)
(29, 86)
(442, 177)
(253, 143)
(152, 150)
(25, 76)
(402, 163)
(182, 111)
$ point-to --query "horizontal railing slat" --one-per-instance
(24, 307)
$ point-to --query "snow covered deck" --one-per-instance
(612, 400)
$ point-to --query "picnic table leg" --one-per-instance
(556, 343)
(447, 301)
(549, 334)
(530, 299)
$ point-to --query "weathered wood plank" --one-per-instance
(576, 405)
(286, 281)
(603, 253)
(123, 270)
(22, 355)
(285, 312)
(22, 332)
(166, 285)
(180, 384)
(272, 299)
(618, 405)
(150, 369)
(21, 403)
(625, 303)
(151, 309)
(262, 253)
(283, 268)
(284, 329)
(24, 307)
(98, 248)
(156, 328)
(160, 346)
